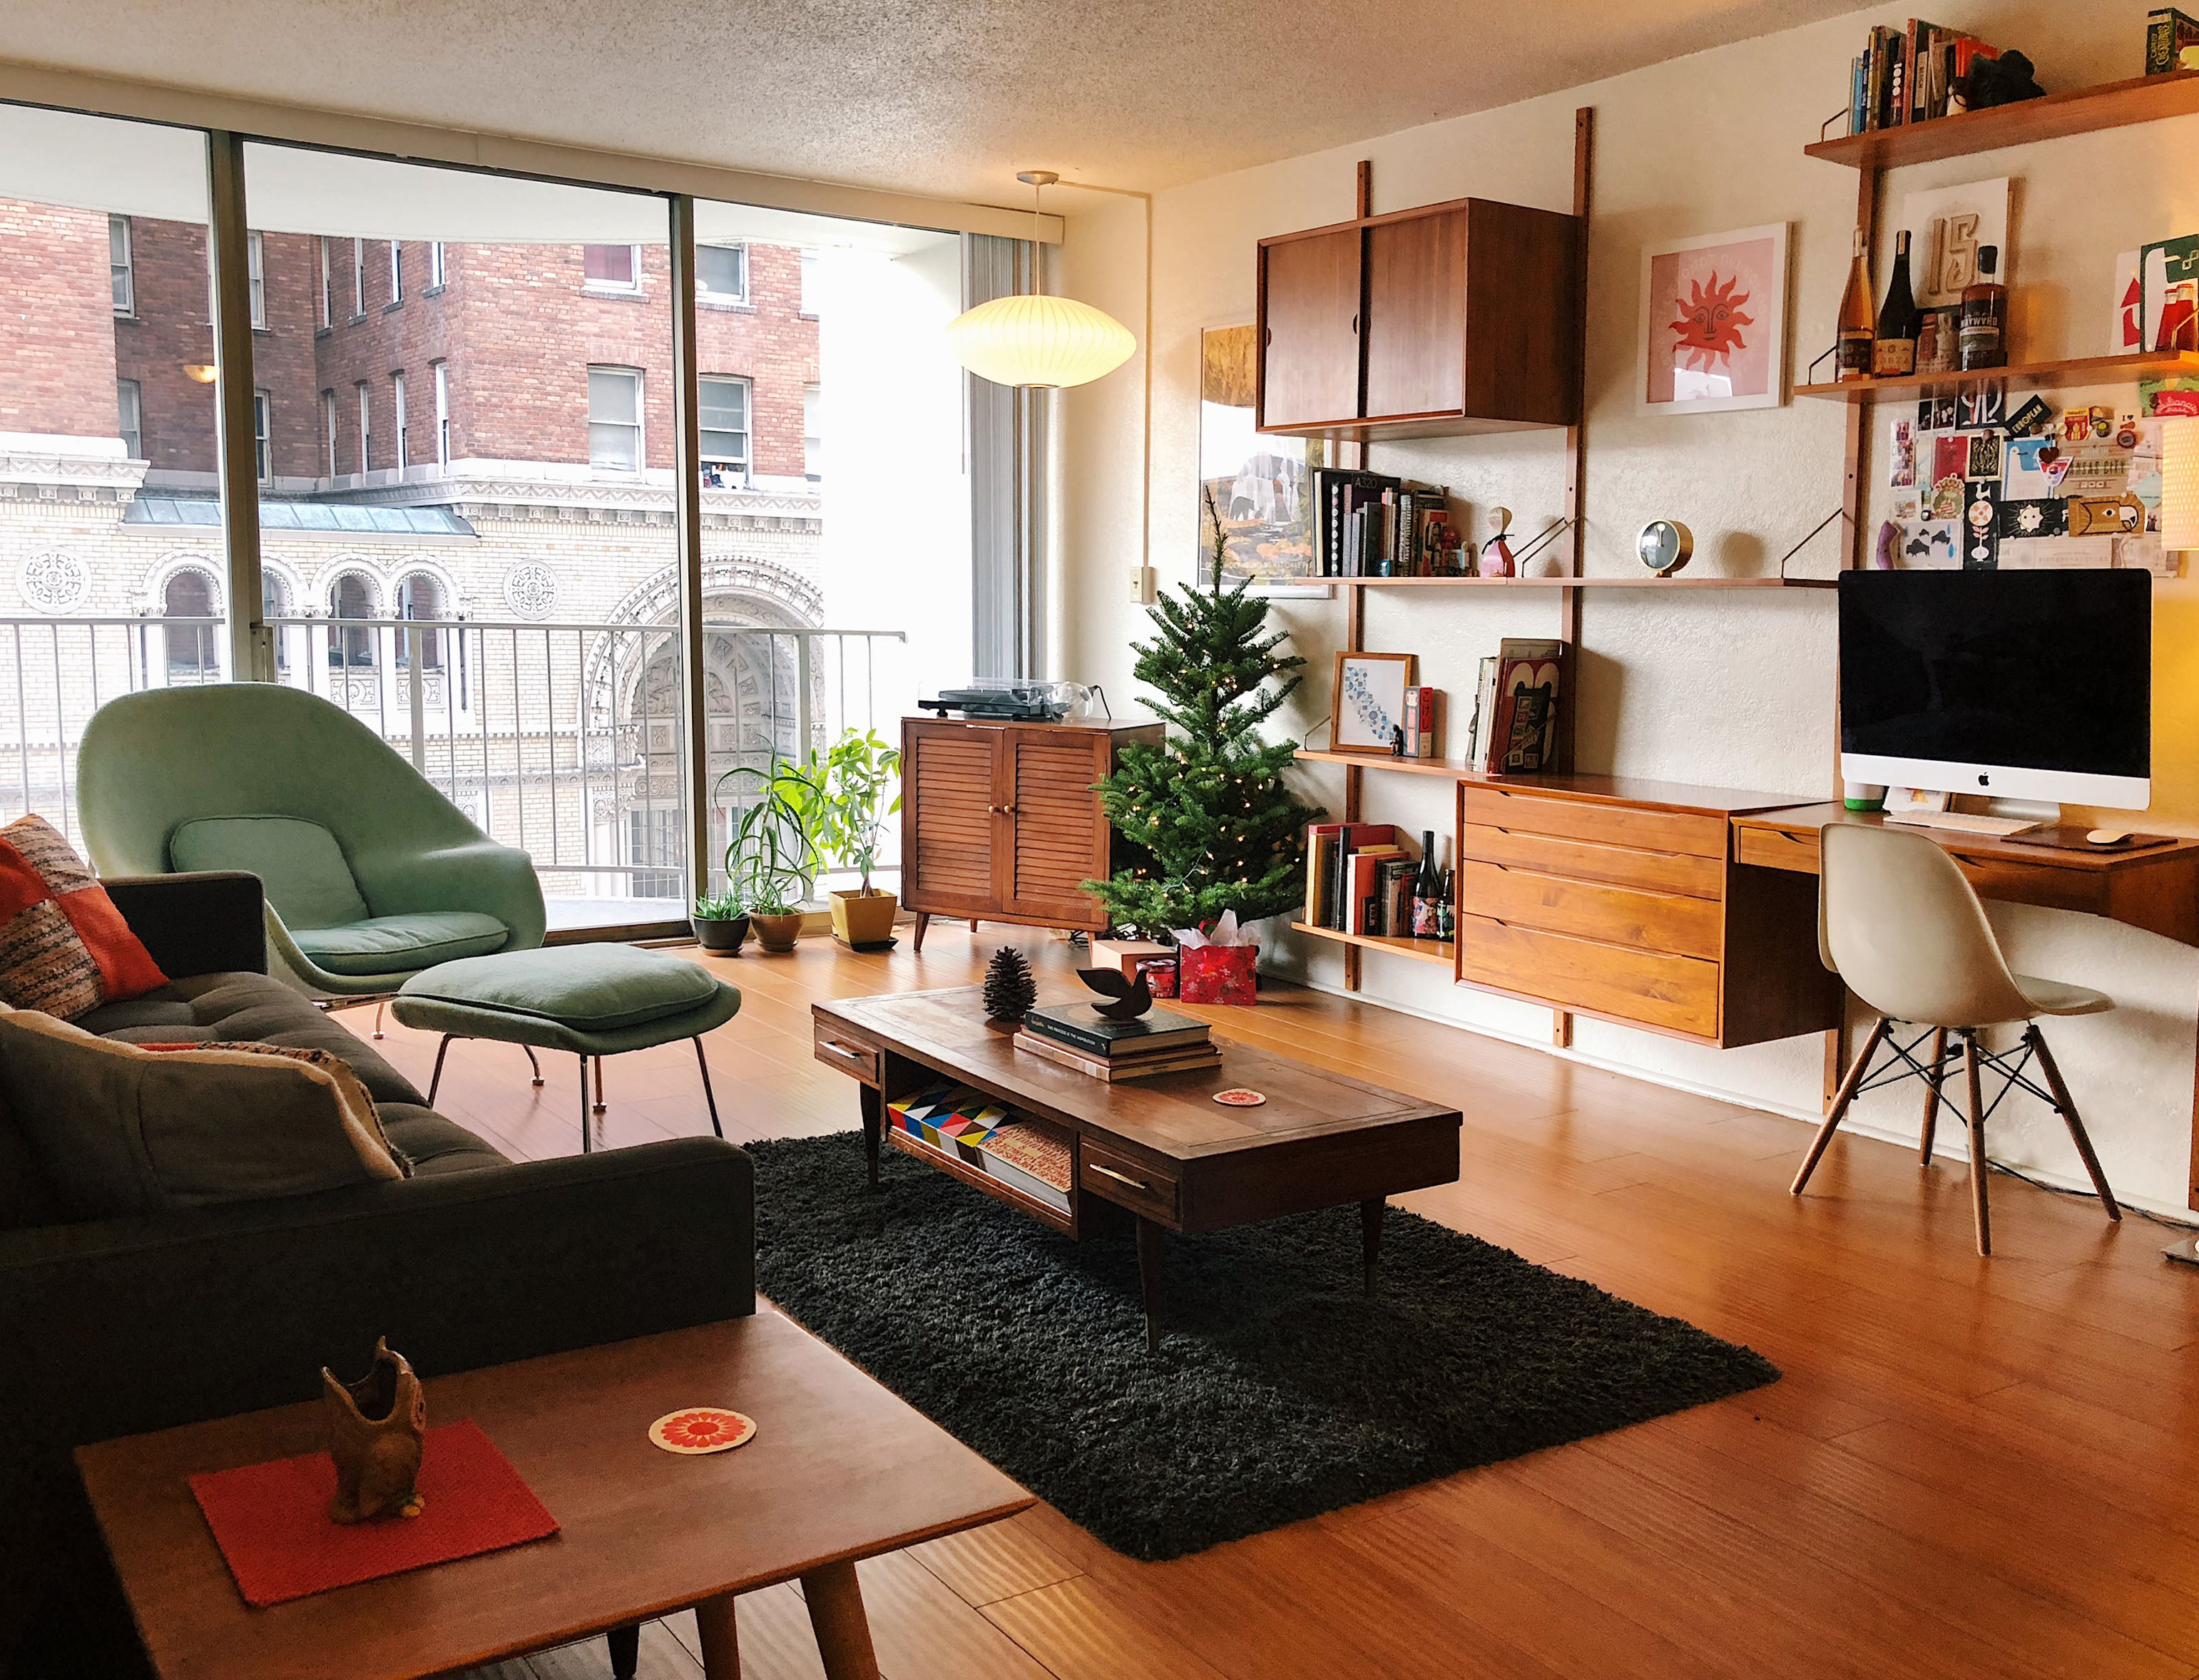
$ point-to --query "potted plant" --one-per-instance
(845, 802)
(720, 922)
(770, 860)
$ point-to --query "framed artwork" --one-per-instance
(1946, 227)
(1714, 322)
(1368, 706)
(1260, 488)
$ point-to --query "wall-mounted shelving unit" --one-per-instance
(1427, 951)
(1620, 582)
(2143, 99)
(2024, 376)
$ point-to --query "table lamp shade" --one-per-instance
(2179, 485)
(1032, 339)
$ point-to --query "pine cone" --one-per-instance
(1010, 987)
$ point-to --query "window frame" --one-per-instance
(638, 426)
(365, 431)
(359, 279)
(328, 285)
(615, 289)
(396, 272)
(706, 293)
(329, 425)
(122, 276)
(704, 458)
(263, 436)
(441, 371)
(438, 273)
(255, 278)
(130, 405)
(397, 400)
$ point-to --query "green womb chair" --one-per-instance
(371, 875)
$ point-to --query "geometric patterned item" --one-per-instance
(984, 1133)
(64, 948)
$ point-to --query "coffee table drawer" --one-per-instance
(1579, 819)
(1679, 994)
(1657, 921)
(1127, 1184)
(846, 1052)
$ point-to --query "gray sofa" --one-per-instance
(119, 1326)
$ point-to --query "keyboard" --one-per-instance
(1963, 822)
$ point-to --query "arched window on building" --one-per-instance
(274, 604)
(193, 650)
(352, 646)
(420, 595)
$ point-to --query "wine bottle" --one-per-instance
(1893, 351)
(1447, 910)
(1984, 315)
(1427, 889)
(1857, 329)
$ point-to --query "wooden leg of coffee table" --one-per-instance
(1153, 1250)
(721, 1645)
(1370, 1239)
(873, 1120)
(836, 1614)
(626, 1651)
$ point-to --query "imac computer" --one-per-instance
(2026, 687)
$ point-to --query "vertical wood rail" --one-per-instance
(1569, 600)
(688, 529)
(236, 455)
(1355, 601)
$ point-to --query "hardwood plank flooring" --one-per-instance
(1971, 1467)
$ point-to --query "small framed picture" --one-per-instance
(1714, 322)
(1369, 708)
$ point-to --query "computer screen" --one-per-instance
(2031, 684)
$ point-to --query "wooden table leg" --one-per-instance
(721, 1645)
(835, 1599)
(1153, 1250)
(626, 1651)
(874, 1114)
(1370, 1239)
(922, 923)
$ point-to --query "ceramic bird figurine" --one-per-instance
(376, 1428)
(1130, 1001)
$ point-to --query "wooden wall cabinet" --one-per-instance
(1000, 822)
(1452, 319)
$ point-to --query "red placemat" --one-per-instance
(271, 1520)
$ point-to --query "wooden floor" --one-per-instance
(1984, 1468)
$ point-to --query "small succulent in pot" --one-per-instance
(720, 922)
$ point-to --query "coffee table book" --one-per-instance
(1082, 1027)
(1126, 1066)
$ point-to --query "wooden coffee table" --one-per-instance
(1160, 1150)
(839, 1470)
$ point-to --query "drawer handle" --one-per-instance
(840, 1050)
(1120, 1178)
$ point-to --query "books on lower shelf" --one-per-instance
(1027, 1154)
(1114, 1070)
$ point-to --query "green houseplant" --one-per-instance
(845, 805)
(771, 860)
(720, 922)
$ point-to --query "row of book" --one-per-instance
(1077, 1036)
(1514, 729)
(1370, 524)
(1362, 878)
(1909, 75)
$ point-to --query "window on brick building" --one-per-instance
(130, 412)
(403, 430)
(352, 646)
(275, 604)
(119, 269)
(194, 649)
(358, 276)
(611, 268)
(721, 411)
(328, 284)
(365, 431)
(722, 273)
(434, 264)
(396, 271)
(329, 428)
(442, 371)
(263, 440)
(255, 277)
(420, 595)
(615, 419)
(812, 433)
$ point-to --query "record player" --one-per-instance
(1011, 700)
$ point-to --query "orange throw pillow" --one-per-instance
(64, 948)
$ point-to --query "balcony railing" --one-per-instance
(564, 738)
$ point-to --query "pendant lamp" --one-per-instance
(1032, 339)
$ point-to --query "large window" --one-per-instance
(420, 595)
(351, 647)
(722, 273)
(194, 649)
(615, 419)
(723, 413)
(611, 268)
(120, 271)
(130, 412)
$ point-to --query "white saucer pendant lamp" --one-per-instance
(1032, 339)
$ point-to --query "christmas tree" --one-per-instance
(1214, 827)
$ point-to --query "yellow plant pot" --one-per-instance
(863, 918)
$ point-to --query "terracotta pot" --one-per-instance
(863, 918)
(776, 933)
(721, 934)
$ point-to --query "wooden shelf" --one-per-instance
(1442, 767)
(2027, 376)
(1425, 950)
(2144, 99)
(1617, 581)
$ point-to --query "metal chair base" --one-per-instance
(587, 1110)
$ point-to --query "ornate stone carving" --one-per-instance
(530, 590)
(53, 582)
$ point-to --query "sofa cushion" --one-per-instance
(433, 1144)
(593, 988)
(308, 882)
(64, 948)
(383, 945)
(26, 1199)
(118, 1130)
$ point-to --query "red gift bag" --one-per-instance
(1160, 975)
(1218, 974)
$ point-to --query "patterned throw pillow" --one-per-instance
(64, 948)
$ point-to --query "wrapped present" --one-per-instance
(1216, 965)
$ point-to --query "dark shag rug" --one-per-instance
(1279, 1390)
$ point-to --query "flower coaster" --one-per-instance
(1238, 1098)
(702, 1429)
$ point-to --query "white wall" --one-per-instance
(1734, 691)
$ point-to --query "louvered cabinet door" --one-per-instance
(1061, 837)
(951, 818)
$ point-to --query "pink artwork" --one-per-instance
(1713, 317)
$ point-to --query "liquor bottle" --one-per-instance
(1857, 329)
(1894, 350)
(1447, 911)
(1984, 315)
(1428, 890)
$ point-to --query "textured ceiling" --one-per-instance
(925, 96)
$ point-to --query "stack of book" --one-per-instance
(1360, 879)
(1076, 1035)
(1370, 524)
(1909, 75)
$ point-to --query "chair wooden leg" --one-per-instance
(1978, 1170)
(1839, 1109)
(1932, 1095)
(2069, 1118)
(708, 1095)
(436, 1077)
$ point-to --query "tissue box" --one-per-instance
(1218, 974)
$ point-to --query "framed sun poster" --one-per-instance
(1714, 322)
(1260, 488)
(1368, 707)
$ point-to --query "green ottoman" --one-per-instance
(594, 1000)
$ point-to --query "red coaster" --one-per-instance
(696, 1431)
(1237, 1097)
(271, 1520)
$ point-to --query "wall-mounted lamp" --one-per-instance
(1032, 339)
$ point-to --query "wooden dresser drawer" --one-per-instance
(1678, 994)
(1655, 921)
(1126, 1182)
(1775, 848)
(843, 1050)
(1589, 860)
(1703, 836)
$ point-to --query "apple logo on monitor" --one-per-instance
(1985, 781)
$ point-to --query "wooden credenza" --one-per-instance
(1622, 899)
(1000, 822)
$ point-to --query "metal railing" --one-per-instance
(564, 738)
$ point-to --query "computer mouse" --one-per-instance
(2107, 836)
